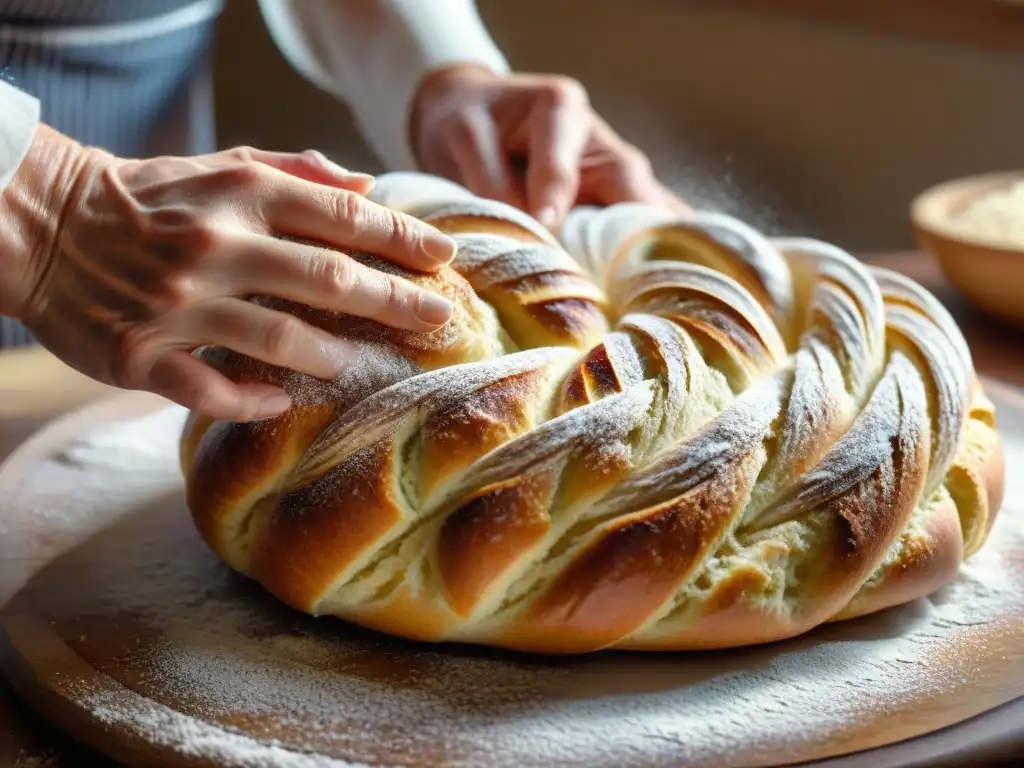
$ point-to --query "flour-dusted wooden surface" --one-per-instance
(35, 387)
(140, 642)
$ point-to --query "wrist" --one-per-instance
(32, 210)
(436, 87)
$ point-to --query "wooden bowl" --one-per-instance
(989, 273)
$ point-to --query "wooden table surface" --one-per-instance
(35, 388)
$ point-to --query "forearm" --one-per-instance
(373, 54)
(36, 164)
(19, 118)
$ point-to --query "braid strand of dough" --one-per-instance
(648, 432)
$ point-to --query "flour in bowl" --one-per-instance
(996, 217)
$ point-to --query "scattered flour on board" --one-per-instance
(163, 727)
(226, 656)
(44, 760)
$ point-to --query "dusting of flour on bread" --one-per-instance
(227, 655)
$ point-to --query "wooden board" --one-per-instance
(141, 643)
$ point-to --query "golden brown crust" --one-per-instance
(926, 559)
(488, 533)
(234, 465)
(452, 440)
(771, 437)
(319, 531)
(630, 570)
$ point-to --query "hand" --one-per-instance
(471, 125)
(123, 267)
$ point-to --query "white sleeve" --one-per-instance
(19, 116)
(373, 54)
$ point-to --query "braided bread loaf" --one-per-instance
(682, 435)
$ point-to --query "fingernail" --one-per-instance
(434, 309)
(439, 247)
(274, 405)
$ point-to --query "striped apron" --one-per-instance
(130, 76)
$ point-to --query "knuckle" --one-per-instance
(348, 210)
(315, 159)
(392, 297)
(402, 228)
(182, 234)
(567, 91)
(172, 293)
(203, 237)
(130, 352)
(199, 399)
(634, 159)
(200, 237)
(281, 336)
(385, 292)
(243, 154)
(334, 271)
(175, 219)
(246, 173)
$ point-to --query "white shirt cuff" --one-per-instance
(19, 117)
(374, 56)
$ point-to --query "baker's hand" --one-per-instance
(472, 125)
(123, 267)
